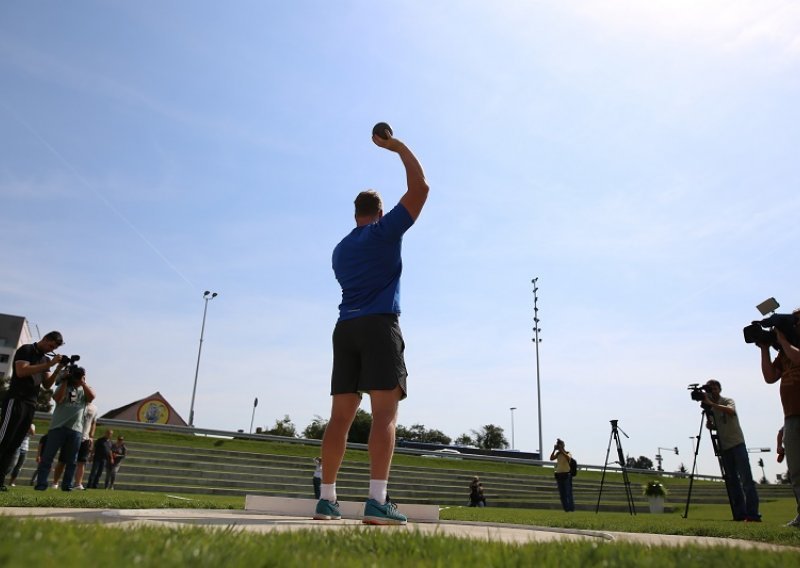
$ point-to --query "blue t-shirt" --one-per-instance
(367, 265)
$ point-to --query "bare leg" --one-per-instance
(382, 434)
(334, 441)
(79, 469)
(58, 473)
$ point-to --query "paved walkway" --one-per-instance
(263, 523)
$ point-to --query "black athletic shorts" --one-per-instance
(368, 355)
(83, 452)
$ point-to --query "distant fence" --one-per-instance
(403, 448)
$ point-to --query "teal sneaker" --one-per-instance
(386, 514)
(327, 511)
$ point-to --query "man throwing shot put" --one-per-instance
(367, 342)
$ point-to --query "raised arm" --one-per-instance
(771, 370)
(27, 369)
(417, 193)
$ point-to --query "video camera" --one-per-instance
(762, 332)
(70, 360)
(756, 332)
(698, 392)
(72, 373)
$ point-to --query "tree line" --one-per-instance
(487, 437)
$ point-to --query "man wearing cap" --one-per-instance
(30, 371)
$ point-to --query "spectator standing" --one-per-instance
(316, 478)
(71, 396)
(118, 453)
(22, 454)
(101, 457)
(786, 369)
(476, 496)
(30, 371)
(39, 453)
(87, 440)
(563, 476)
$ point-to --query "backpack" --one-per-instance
(573, 467)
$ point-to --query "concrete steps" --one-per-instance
(178, 469)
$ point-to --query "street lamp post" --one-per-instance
(206, 296)
(255, 403)
(512, 409)
(694, 444)
(536, 342)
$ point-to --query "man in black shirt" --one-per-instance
(102, 458)
(30, 371)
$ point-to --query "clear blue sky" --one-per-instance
(640, 158)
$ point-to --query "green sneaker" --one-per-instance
(386, 514)
(327, 511)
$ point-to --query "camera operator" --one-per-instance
(563, 476)
(66, 427)
(30, 371)
(786, 368)
(744, 497)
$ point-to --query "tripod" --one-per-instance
(706, 416)
(615, 430)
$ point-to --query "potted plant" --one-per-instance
(655, 493)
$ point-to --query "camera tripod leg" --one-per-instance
(694, 466)
(603, 478)
(707, 416)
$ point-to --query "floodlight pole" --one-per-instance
(206, 296)
(536, 342)
(253, 416)
(512, 409)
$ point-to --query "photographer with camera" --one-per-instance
(66, 427)
(786, 368)
(30, 371)
(563, 475)
(742, 488)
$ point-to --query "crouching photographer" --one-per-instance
(786, 368)
(66, 427)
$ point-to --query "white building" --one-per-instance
(14, 331)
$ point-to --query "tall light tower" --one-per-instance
(206, 296)
(536, 341)
(253, 416)
(512, 409)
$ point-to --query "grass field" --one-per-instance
(28, 542)
(53, 543)
(704, 520)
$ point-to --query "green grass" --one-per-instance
(703, 520)
(49, 543)
(102, 499)
(75, 545)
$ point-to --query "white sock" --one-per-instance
(377, 489)
(327, 491)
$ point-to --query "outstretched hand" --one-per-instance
(390, 142)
